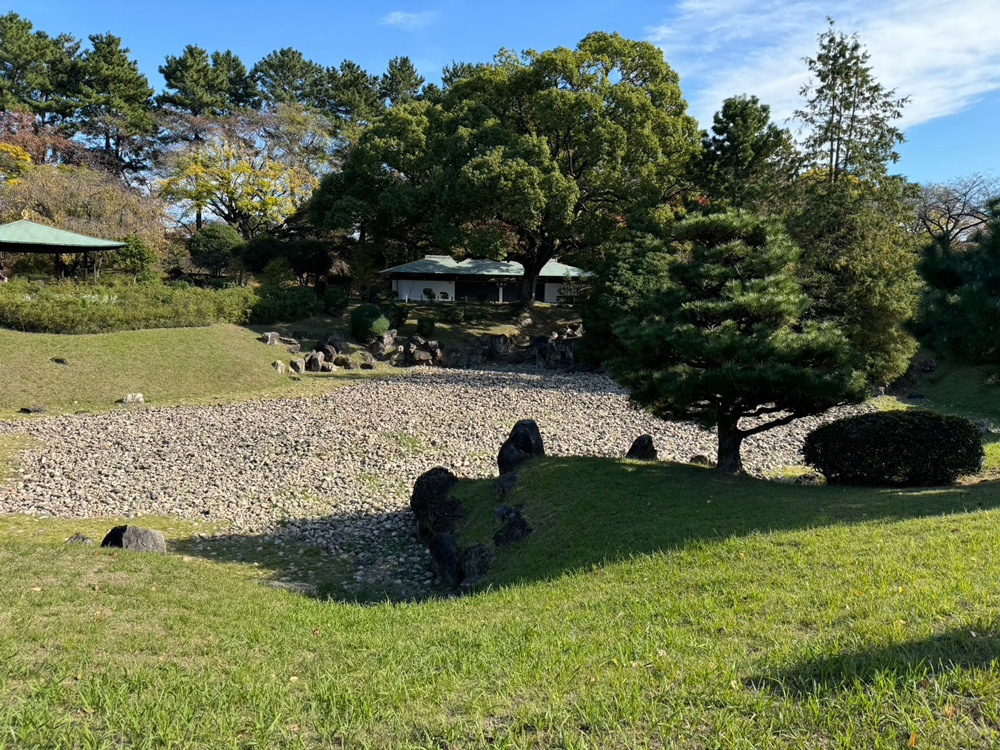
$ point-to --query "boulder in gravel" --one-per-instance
(498, 344)
(642, 449)
(513, 526)
(422, 358)
(136, 539)
(510, 457)
(298, 366)
(133, 398)
(36, 409)
(431, 501)
(444, 553)
(526, 436)
(79, 538)
(314, 361)
(279, 366)
(271, 338)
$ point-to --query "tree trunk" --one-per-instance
(730, 440)
(197, 218)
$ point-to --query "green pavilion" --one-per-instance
(24, 236)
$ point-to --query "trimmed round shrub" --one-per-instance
(335, 300)
(368, 322)
(895, 449)
(396, 314)
(425, 327)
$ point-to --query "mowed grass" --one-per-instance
(655, 605)
(168, 366)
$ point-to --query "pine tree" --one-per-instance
(116, 111)
(715, 330)
(747, 161)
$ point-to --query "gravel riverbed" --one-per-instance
(335, 471)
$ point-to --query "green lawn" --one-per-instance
(653, 606)
(168, 366)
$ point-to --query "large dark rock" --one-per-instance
(431, 502)
(498, 344)
(329, 352)
(298, 366)
(510, 457)
(135, 538)
(526, 436)
(314, 361)
(642, 449)
(513, 526)
(422, 358)
(444, 553)
(33, 409)
(384, 346)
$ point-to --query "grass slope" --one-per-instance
(167, 366)
(653, 606)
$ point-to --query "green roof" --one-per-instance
(27, 236)
(446, 265)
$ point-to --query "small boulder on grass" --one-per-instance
(642, 449)
(136, 539)
(133, 398)
(79, 538)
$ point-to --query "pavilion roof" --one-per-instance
(24, 236)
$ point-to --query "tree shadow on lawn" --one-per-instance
(589, 511)
(901, 665)
(584, 512)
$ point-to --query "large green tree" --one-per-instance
(960, 305)
(746, 161)
(204, 85)
(714, 327)
(116, 103)
(527, 158)
(849, 116)
(39, 73)
(850, 216)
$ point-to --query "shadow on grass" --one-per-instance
(584, 511)
(904, 665)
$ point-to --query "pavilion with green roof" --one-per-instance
(24, 236)
(477, 279)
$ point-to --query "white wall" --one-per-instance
(552, 292)
(413, 289)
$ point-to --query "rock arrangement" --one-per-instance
(136, 539)
(642, 449)
(437, 512)
(335, 472)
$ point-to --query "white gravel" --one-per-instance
(342, 464)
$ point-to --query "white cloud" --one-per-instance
(943, 54)
(408, 21)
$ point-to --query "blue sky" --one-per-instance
(944, 54)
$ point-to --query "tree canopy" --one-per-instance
(714, 326)
(528, 157)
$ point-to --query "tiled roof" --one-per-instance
(446, 265)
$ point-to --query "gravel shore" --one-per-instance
(341, 465)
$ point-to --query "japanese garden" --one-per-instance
(504, 406)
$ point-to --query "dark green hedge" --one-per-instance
(68, 307)
(368, 322)
(895, 449)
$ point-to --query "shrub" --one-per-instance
(425, 327)
(455, 314)
(895, 448)
(214, 247)
(335, 300)
(68, 307)
(368, 322)
(430, 295)
(279, 304)
(396, 313)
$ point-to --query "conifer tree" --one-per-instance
(714, 329)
